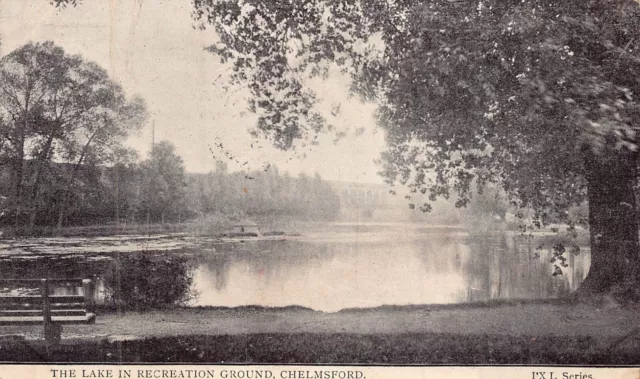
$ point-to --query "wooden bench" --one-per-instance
(52, 311)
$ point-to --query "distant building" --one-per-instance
(246, 226)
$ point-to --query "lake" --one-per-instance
(330, 267)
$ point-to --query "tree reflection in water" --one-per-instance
(329, 272)
(505, 266)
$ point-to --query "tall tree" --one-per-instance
(100, 141)
(163, 182)
(61, 107)
(538, 96)
(24, 75)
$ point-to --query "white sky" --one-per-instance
(152, 49)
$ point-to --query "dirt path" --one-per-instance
(525, 320)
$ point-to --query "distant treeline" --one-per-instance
(158, 190)
(261, 193)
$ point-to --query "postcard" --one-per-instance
(319, 189)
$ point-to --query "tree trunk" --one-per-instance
(22, 133)
(117, 200)
(615, 259)
(63, 209)
(19, 175)
(40, 163)
(67, 193)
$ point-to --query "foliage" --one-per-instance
(488, 208)
(535, 96)
(484, 90)
(124, 192)
(143, 281)
(163, 182)
(58, 107)
(267, 194)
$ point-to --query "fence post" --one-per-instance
(51, 331)
(87, 285)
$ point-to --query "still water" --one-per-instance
(335, 267)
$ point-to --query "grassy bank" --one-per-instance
(542, 332)
(410, 348)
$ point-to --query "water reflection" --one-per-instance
(512, 266)
(364, 270)
(327, 271)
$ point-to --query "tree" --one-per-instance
(24, 81)
(125, 176)
(59, 107)
(144, 282)
(101, 141)
(540, 97)
(163, 182)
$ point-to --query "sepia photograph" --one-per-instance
(339, 185)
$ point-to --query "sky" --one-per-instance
(153, 50)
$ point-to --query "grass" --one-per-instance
(308, 348)
(467, 305)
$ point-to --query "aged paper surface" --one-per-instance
(156, 216)
(157, 371)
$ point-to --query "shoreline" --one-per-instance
(188, 241)
(524, 333)
(535, 317)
